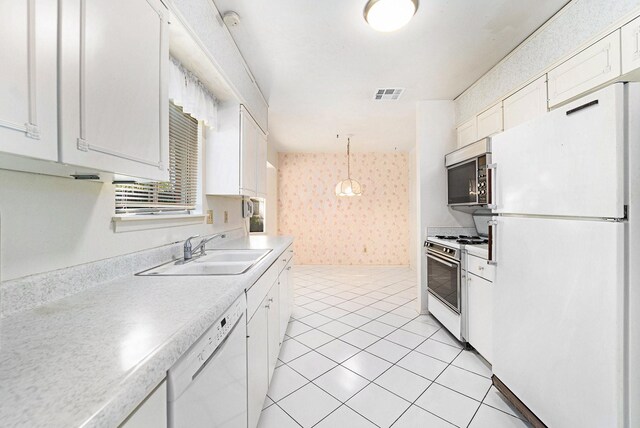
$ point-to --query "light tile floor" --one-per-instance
(357, 354)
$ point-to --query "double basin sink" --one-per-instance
(213, 262)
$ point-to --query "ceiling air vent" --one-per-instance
(388, 94)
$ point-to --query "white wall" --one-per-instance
(203, 21)
(51, 222)
(435, 137)
(414, 218)
(578, 23)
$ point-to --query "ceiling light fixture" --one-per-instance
(389, 15)
(348, 186)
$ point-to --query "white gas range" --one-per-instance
(446, 280)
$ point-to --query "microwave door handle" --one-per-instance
(492, 232)
(492, 200)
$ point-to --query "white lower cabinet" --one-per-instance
(286, 297)
(273, 327)
(152, 412)
(592, 67)
(266, 327)
(480, 315)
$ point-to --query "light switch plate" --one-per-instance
(209, 216)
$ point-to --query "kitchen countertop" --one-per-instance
(479, 250)
(89, 359)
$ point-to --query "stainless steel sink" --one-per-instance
(214, 262)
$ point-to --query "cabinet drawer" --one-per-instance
(285, 257)
(490, 121)
(594, 66)
(259, 290)
(478, 266)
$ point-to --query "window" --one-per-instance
(180, 193)
(256, 221)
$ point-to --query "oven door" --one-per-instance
(462, 183)
(443, 280)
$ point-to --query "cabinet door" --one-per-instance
(28, 105)
(594, 66)
(490, 121)
(273, 327)
(152, 413)
(467, 133)
(631, 46)
(248, 153)
(286, 298)
(261, 166)
(480, 313)
(257, 362)
(526, 104)
(113, 86)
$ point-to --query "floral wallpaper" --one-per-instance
(368, 230)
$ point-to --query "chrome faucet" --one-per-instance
(188, 250)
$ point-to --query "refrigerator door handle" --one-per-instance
(492, 200)
(493, 227)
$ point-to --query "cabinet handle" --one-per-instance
(289, 268)
(271, 300)
(291, 251)
(480, 268)
(284, 260)
(267, 306)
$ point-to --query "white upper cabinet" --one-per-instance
(489, 122)
(592, 67)
(261, 168)
(526, 104)
(248, 154)
(28, 105)
(113, 86)
(631, 46)
(236, 154)
(467, 133)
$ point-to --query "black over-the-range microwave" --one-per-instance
(469, 175)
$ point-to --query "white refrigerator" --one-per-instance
(566, 298)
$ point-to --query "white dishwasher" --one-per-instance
(207, 386)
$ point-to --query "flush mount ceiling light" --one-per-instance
(348, 186)
(389, 15)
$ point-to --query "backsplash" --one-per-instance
(371, 229)
(35, 290)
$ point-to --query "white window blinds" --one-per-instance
(180, 193)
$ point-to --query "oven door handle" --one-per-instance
(438, 259)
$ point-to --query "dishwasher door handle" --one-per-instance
(218, 349)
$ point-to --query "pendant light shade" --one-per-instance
(348, 186)
(389, 15)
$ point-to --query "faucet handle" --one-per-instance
(187, 243)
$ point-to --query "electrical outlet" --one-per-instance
(226, 216)
(209, 216)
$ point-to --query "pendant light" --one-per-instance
(348, 186)
(389, 15)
